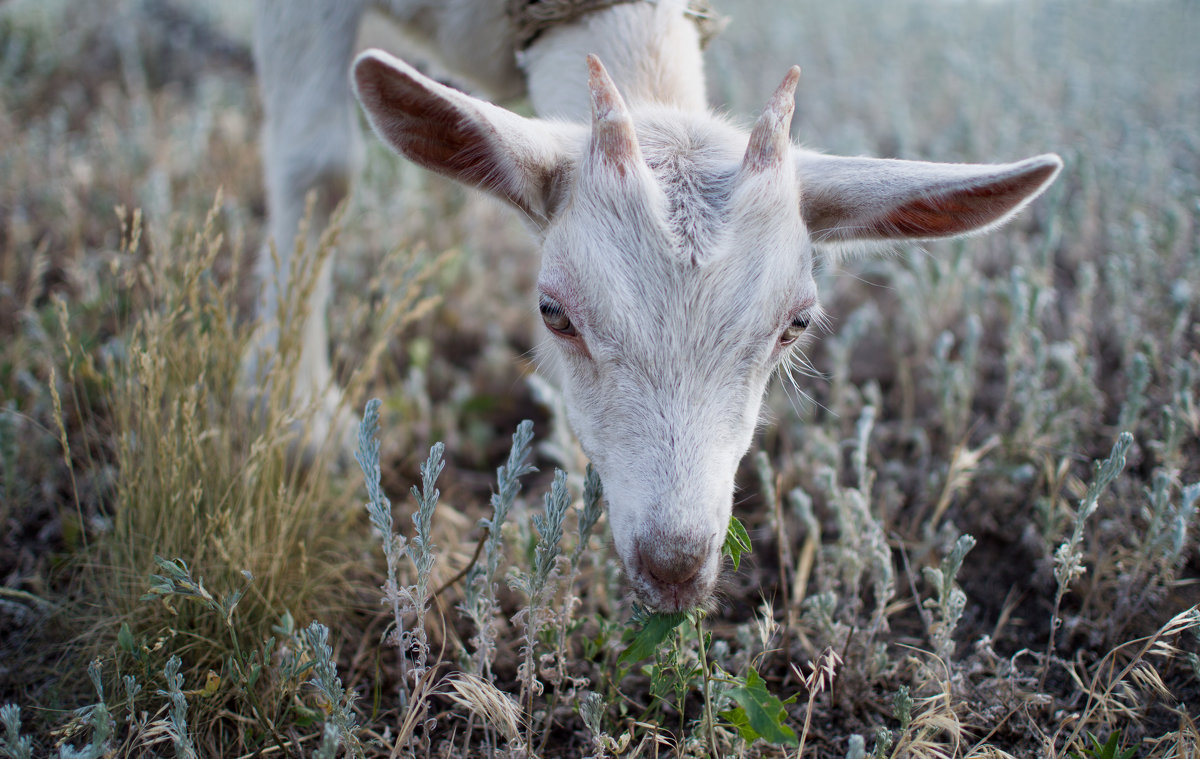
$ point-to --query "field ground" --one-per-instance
(964, 389)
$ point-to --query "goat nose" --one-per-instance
(672, 561)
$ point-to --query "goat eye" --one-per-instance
(794, 330)
(555, 317)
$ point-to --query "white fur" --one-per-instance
(679, 254)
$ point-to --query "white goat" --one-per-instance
(677, 250)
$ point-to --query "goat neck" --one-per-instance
(651, 50)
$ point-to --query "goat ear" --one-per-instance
(872, 199)
(522, 161)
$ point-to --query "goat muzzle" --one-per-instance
(674, 572)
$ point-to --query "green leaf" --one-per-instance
(252, 677)
(286, 625)
(1111, 749)
(736, 717)
(125, 638)
(653, 632)
(737, 542)
(306, 716)
(763, 713)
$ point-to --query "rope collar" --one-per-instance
(531, 18)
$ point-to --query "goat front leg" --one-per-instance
(311, 145)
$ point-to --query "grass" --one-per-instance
(955, 512)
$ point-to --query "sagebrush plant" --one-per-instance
(408, 599)
(538, 587)
(341, 726)
(480, 583)
(1068, 558)
(963, 390)
(543, 617)
(947, 605)
(14, 744)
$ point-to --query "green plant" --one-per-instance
(1068, 559)
(1110, 749)
(341, 728)
(950, 601)
(479, 594)
(244, 665)
(537, 587)
(14, 745)
(754, 712)
(412, 599)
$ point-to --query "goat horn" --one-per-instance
(771, 134)
(612, 126)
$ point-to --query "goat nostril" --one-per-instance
(671, 566)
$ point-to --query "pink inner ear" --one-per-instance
(961, 210)
(423, 125)
(455, 135)
(848, 199)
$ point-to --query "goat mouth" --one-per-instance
(669, 597)
(677, 597)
